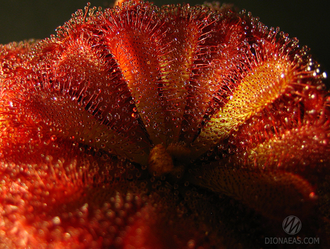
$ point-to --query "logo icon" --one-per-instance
(291, 225)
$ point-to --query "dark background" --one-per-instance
(309, 21)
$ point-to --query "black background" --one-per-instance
(309, 21)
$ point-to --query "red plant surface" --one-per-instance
(171, 127)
